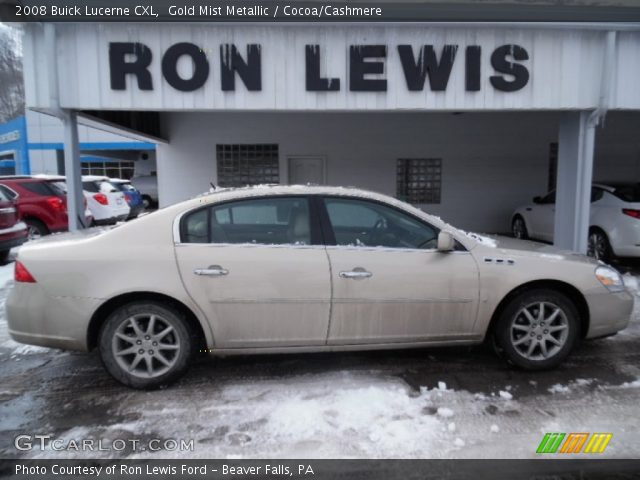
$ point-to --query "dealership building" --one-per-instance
(466, 120)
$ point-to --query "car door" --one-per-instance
(541, 217)
(389, 282)
(258, 269)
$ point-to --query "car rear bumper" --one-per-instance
(13, 236)
(111, 220)
(36, 318)
(135, 211)
(608, 312)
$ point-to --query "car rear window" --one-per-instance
(92, 187)
(41, 188)
(628, 193)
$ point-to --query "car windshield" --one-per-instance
(628, 193)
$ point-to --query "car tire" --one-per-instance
(554, 333)
(147, 202)
(598, 245)
(36, 228)
(519, 228)
(147, 365)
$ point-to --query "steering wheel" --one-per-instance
(378, 230)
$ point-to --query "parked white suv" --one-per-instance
(105, 201)
(614, 220)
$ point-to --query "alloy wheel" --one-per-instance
(519, 228)
(146, 346)
(33, 233)
(597, 246)
(539, 330)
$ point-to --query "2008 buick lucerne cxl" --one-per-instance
(293, 269)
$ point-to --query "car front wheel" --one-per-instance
(146, 344)
(537, 329)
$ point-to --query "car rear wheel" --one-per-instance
(519, 228)
(146, 344)
(36, 229)
(598, 246)
(537, 329)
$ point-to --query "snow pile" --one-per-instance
(6, 274)
(558, 388)
(505, 395)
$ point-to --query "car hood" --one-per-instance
(512, 246)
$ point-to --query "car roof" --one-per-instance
(119, 180)
(94, 178)
(18, 179)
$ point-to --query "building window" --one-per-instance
(111, 169)
(419, 180)
(240, 165)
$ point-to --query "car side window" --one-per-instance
(10, 194)
(596, 194)
(363, 223)
(266, 221)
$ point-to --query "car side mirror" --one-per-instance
(537, 199)
(446, 242)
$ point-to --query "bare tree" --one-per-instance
(11, 80)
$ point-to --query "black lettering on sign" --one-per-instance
(501, 64)
(472, 68)
(415, 72)
(231, 62)
(119, 67)
(314, 82)
(170, 67)
(359, 67)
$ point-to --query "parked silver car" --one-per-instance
(293, 269)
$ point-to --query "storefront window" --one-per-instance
(247, 164)
(419, 179)
(117, 169)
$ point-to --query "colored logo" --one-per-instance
(574, 442)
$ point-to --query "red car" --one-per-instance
(42, 205)
(13, 232)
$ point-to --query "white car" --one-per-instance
(107, 203)
(614, 220)
(294, 269)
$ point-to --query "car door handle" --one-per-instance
(211, 271)
(356, 273)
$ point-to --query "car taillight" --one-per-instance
(56, 203)
(21, 274)
(631, 212)
(101, 198)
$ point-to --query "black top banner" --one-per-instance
(309, 11)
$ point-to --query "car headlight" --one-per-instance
(610, 278)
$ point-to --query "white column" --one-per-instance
(573, 187)
(73, 171)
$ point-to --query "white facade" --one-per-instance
(565, 67)
(491, 163)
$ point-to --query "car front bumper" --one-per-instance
(608, 312)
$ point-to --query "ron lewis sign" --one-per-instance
(428, 67)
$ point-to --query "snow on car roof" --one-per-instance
(119, 180)
(95, 178)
